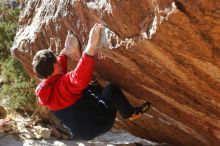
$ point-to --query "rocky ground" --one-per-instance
(111, 138)
(31, 131)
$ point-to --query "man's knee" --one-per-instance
(112, 87)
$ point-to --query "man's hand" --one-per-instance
(71, 47)
(93, 41)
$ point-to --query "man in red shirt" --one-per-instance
(84, 109)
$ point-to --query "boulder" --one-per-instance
(41, 132)
(3, 112)
(163, 51)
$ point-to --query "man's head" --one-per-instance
(44, 62)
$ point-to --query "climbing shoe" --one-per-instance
(138, 111)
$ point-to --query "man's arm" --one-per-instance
(71, 49)
(94, 37)
(78, 79)
(62, 59)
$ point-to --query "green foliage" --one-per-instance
(16, 88)
(8, 26)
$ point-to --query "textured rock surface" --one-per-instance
(3, 112)
(26, 131)
(164, 51)
(112, 138)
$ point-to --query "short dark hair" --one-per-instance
(43, 62)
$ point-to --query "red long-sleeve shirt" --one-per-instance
(63, 90)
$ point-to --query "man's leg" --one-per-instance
(115, 99)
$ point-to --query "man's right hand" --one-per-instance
(72, 47)
(94, 37)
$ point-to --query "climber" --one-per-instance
(87, 110)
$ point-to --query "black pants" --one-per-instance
(113, 99)
(95, 112)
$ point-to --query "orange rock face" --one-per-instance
(164, 51)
